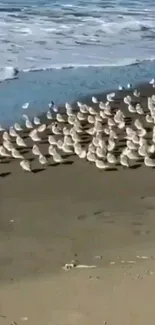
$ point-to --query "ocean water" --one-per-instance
(65, 49)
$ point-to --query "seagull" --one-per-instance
(43, 161)
(94, 100)
(110, 97)
(36, 120)
(34, 136)
(101, 164)
(16, 154)
(20, 142)
(149, 162)
(25, 164)
(36, 150)
(124, 160)
(25, 106)
(18, 127)
(49, 115)
(6, 136)
(12, 132)
(3, 152)
(57, 157)
(52, 140)
(41, 128)
(28, 124)
(8, 145)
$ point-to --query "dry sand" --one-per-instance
(77, 212)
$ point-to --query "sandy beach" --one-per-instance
(75, 211)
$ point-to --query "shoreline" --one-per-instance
(64, 85)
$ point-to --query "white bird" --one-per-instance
(6, 136)
(57, 158)
(149, 162)
(101, 164)
(66, 131)
(43, 161)
(111, 158)
(149, 118)
(34, 136)
(20, 142)
(101, 152)
(110, 97)
(124, 161)
(91, 119)
(28, 124)
(131, 145)
(91, 156)
(139, 109)
(16, 154)
(94, 100)
(152, 81)
(41, 128)
(71, 119)
(36, 150)
(142, 150)
(138, 124)
(127, 100)
(69, 109)
(84, 109)
(25, 106)
(56, 130)
(136, 93)
(111, 144)
(101, 105)
(18, 127)
(8, 145)
(3, 152)
(131, 108)
(60, 118)
(52, 140)
(92, 110)
(12, 132)
(51, 150)
(49, 115)
(132, 154)
(25, 164)
(68, 140)
(36, 120)
(60, 144)
(82, 154)
(67, 148)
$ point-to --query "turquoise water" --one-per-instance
(79, 47)
(39, 88)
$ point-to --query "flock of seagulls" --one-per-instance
(102, 134)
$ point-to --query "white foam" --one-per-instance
(8, 73)
(76, 34)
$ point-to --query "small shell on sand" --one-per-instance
(73, 264)
(143, 257)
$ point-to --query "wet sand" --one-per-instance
(76, 212)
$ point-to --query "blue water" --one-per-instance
(99, 39)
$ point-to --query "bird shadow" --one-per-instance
(135, 166)
(5, 174)
(112, 169)
(69, 162)
(38, 170)
(5, 161)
